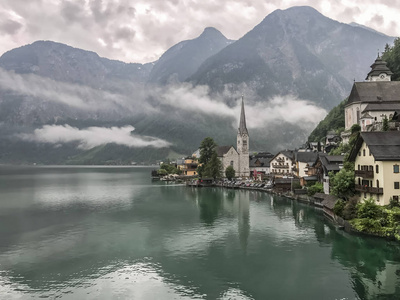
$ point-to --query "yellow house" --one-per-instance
(377, 161)
(188, 166)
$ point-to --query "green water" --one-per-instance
(110, 233)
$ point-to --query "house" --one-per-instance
(239, 157)
(332, 141)
(283, 164)
(371, 101)
(376, 156)
(260, 163)
(304, 160)
(323, 166)
(188, 165)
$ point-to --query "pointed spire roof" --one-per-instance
(378, 67)
(242, 124)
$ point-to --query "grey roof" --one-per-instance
(264, 162)
(221, 150)
(307, 157)
(378, 67)
(384, 145)
(392, 106)
(366, 115)
(331, 162)
(242, 124)
(375, 91)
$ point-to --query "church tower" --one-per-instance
(243, 145)
(379, 71)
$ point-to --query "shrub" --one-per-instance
(350, 210)
(316, 188)
(339, 207)
(369, 209)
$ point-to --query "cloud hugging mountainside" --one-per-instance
(292, 67)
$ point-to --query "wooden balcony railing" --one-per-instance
(364, 173)
(369, 189)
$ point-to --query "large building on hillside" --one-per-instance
(371, 101)
(237, 158)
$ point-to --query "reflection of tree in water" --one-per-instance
(210, 205)
(373, 263)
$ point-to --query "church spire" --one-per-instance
(242, 124)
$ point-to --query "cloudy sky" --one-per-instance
(141, 30)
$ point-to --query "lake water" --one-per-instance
(110, 233)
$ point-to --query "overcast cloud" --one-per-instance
(141, 30)
(92, 136)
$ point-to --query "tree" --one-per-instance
(214, 167)
(392, 56)
(207, 148)
(385, 124)
(230, 172)
(342, 183)
(316, 188)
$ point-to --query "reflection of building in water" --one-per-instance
(244, 220)
(237, 203)
(385, 283)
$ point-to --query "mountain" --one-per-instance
(296, 51)
(67, 64)
(182, 60)
(292, 54)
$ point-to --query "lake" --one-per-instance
(112, 233)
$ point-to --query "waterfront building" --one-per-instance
(188, 165)
(324, 165)
(377, 165)
(283, 163)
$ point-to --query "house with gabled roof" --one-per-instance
(376, 156)
(324, 165)
(283, 163)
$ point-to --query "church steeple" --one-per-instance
(242, 124)
(379, 71)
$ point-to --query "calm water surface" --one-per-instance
(110, 233)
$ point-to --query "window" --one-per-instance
(359, 181)
(359, 153)
(358, 167)
(377, 169)
(396, 199)
(396, 169)
(232, 163)
(396, 185)
(364, 152)
(377, 183)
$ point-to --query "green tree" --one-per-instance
(171, 169)
(316, 188)
(207, 149)
(214, 167)
(342, 183)
(392, 56)
(230, 172)
(385, 124)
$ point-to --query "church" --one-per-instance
(237, 158)
(372, 100)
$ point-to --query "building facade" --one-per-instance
(376, 156)
(371, 101)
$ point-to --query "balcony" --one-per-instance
(276, 166)
(369, 189)
(364, 173)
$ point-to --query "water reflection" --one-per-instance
(122, 237)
